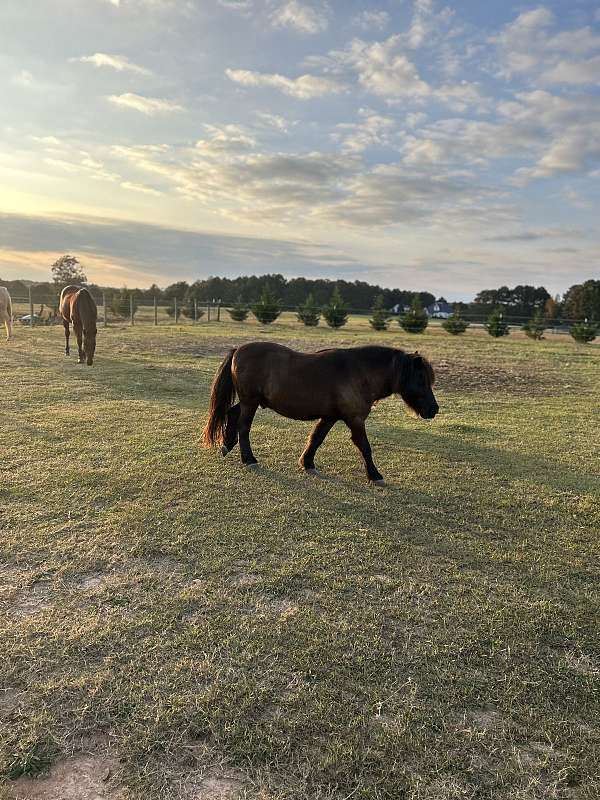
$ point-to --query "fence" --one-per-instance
(172, 310)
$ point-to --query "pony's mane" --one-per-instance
(87, 307)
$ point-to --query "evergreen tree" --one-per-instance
(379, 320)
(584, 332)
(239, 310)
(536, 326)
(268, 308)
(496, 325)
(120, 303)
(455, 324)
(308, 313)
(415, 320)
(336, 311)
(189, 308)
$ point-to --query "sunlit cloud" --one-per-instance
(118, 63)
(304, 87)
(145, 105)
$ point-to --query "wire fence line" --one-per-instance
(176, 309)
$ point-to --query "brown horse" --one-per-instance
(328, 386)
(77, 306)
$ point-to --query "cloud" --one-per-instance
(276, 121)
(374, 130)
(527, 46)
(382, 68)
(138, 187)
(225, 139)
(237, 5)
(138, 253)
(306, 87)
(119, 63)
(145, 105)
(25, 79)
(372, 20)
(301, 17)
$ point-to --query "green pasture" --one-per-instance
(173, 626)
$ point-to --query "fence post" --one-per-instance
(30, 307)
(155, 310)
(104, 309)
(176, 310)
(195, 310)
(208, 312)
(219, 311)
(131, 309)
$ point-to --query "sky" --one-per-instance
(409, 143)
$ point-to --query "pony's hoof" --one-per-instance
(313, 471)
(252, 466)
(224, 451)
(80, 361)
(380, 482)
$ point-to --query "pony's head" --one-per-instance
(415, 385)
(89, 343)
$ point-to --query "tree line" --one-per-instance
(519, 303)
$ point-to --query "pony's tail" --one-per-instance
(222, 395)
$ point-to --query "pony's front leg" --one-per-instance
(314, 441)
(67, 334)
(247, 412)
(79, 333)
(230, 436)
(359, 437)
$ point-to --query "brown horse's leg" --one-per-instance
(314, 441)
(79, 333)
(67, 332)
(359, 437)
(231, 429)
(247, 412)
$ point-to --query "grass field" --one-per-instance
(172, 626)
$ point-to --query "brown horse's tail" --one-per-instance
(222, 395)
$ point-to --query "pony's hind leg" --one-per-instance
(231, 429)
(67, 334)
(247, 412)
(359, 437)
(314, 441)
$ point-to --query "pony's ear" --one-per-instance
(417, 360)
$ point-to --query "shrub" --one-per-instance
(415, 320)
(336, 311)
(189, 308)
(584, 332)
(120, 303)
(268, 308)
(379, 320)
(496, 325)
(536, 326)
(455, 324)
(239, 311)
(171, 307)
(308, 312)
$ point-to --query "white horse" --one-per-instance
(6, 311)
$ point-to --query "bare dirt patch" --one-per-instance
(215, 785)
(83, 777)
(31, 600)
(532, 380)
(9, 700)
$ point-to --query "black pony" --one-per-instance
(329, 385)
